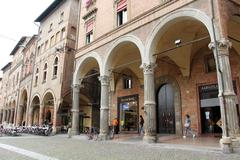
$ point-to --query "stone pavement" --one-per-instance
(60, 147)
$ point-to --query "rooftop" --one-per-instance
(47, 11)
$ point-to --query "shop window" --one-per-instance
(210, 65)
(121, 12)
(127, 82)
(55, 67)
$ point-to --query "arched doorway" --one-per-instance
(165, 109)
(34, 111)
(126, 82)
(48, 108)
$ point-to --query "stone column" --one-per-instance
(15, 116)
(11, 116)
(30, 116)
(4, 116)
(75, 109)
(19, 115)
(41, 114)
(227, 97)
(55, 118)
(104, 110)
(149, 103)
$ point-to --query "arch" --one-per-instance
(47, 92)
(34, 96)
(177, 99)
(126, 38)
(24, 95)
(176, 16)
(79, 67)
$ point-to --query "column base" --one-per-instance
(149, 139)
(74, 132)
(226, 145)
(103, 137)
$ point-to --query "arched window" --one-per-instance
(55, 67)
(36, 77)
(45, 73)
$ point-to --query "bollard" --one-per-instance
(69, 133)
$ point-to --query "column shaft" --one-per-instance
(41, 114)
(104, 110)
(149, 103)
(75, 109)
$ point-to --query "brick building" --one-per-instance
(163, 60)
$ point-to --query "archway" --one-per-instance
(169, 109)
(34, 111)
(48, 108)
(173, 50)
(22, 115)
(126, 83)
(90, 89)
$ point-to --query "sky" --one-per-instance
(16, 20)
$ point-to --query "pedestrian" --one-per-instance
(187, 126)
(141, 124)
(115, 125)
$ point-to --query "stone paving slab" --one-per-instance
(63, 148)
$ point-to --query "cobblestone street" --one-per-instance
(61, 148)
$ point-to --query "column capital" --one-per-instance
(148, 68)
(104, 80)
(222, 44)
(76, 87)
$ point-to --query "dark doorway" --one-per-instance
(165, 110)
(210, 117)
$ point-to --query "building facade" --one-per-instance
(163, 60)
(50, 99)
(126, 58)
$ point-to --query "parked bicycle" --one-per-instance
(92, 133)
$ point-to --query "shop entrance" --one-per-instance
(128, 113)
(210, 109)
(166, 112)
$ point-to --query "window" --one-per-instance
(57, 36)
(89, 37)
(55, 67)
(89, 31)
(50, 27)
(38, 50)
(127, 82)
(52, 41)
(36, 77)
(121, 12)
(45, 73)
(42, 48)
(63, 33)
(61, 17)
(210, 65)
(46, 45)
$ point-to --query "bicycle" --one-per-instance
(92, 133)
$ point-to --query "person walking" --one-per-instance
(141, 124)
(187, 126)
